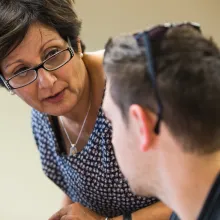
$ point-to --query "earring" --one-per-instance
(11, 92)
(81, 55)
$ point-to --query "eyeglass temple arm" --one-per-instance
(69, 42)
(6, 84)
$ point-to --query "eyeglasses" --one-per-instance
(28, 76)
(156, 34)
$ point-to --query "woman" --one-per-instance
(41, 62)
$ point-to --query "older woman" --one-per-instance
(41, 60)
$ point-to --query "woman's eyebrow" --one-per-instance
(20, 60)
(9, 64)
(43, 46)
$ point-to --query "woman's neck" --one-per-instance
(92, 94)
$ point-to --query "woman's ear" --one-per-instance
(79, 47)
(143, 124)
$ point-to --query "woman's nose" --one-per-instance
(46, 79)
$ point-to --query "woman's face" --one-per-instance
(55, 92)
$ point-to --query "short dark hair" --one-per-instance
(188, 80)
(16, 16)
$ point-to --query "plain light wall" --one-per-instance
(25, 193)
(104, 18)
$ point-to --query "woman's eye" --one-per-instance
(51, 53)
(20, 70)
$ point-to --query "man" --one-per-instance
(163, 99)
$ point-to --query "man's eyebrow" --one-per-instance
(107, 115)
(105, 111)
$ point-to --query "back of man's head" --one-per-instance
(188, 81)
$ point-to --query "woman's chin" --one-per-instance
(59, 110)
(63, 107)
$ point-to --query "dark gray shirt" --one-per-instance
(211, 208)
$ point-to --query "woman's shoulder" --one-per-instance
(93, 61)
(38, 117)
(94, 57)
(39, 121)
(101, 121)
(42, 129)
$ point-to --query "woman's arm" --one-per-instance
(157, 211)
(66, 201)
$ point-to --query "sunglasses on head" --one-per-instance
(147, 37)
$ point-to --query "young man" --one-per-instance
(163, 98)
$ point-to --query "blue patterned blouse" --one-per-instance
(92, 176)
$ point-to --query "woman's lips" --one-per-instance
(56, 98)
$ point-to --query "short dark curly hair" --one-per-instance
(188, 80)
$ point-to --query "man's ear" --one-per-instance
(143, 124)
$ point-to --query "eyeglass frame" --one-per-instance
(151, 34)
(36, 68)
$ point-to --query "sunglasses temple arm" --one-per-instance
(151, 70)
